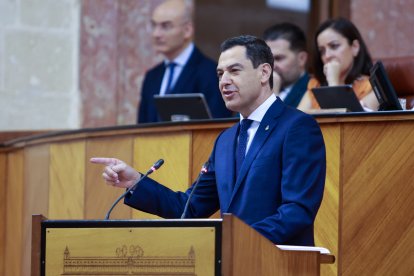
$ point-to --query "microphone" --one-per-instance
(203, 170)
(154, 167)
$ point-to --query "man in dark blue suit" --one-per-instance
(185, 69)
(268, 170)
(288, 44)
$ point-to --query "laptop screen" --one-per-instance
(182, 107)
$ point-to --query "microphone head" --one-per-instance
(158, 164)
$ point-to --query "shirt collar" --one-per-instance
(258, 114)
(182, 58)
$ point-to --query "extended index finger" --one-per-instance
(104, 161)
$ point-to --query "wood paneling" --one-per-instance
(240, 240)
(3, 167)
(6, 136)
(14, 213)
(174, 149)
(327, 220)
(98, 195)
(378, 199)
(67, 180)
(203, 142)
(35, 194)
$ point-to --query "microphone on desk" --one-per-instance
(154, 167)
(203, 170)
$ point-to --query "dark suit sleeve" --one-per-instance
(303, 180)
(154, 198)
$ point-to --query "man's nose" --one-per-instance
(156, 31)
(225, 78)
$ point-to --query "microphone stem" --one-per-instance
(154, 167)
(187, 203)
(124, 194)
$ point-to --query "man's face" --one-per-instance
(171, 29)
(289, 64)
(240, 84)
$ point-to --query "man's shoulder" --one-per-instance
(199, 57)
(157, 68)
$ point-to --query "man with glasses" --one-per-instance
(185, 69)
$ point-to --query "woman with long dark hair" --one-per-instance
(341, 57)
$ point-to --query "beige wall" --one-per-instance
(38, 64)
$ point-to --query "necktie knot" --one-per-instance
(245, 125)
(171, 65)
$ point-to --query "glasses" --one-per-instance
(163, 26)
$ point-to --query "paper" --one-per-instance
(322, 250)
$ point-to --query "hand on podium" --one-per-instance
(116, 172)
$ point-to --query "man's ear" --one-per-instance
(188, 30)
(266, 71)
(302, 58)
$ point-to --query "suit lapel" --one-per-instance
(187, 73)
(297, 92)
(226, 155)
(266, 127)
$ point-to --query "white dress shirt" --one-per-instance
(180, 61)
(257, 116)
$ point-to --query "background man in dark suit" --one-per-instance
(269, 169)
(191, 72)
(288, 44)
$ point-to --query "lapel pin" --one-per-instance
(267, 127)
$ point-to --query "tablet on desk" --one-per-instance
(383, 88)
(182, 107)
(341, 96)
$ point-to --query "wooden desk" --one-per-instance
(366, 217)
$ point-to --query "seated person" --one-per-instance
(288, 44)
(341, 58)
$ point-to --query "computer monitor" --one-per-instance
(182, 107)
(383, 88)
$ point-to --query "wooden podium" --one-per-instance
(162, 247)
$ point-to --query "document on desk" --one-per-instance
(322, 250)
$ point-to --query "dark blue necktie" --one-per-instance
(242, 145)
(171, 67)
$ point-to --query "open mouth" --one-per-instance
(229, 91)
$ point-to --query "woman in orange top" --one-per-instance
(341, 58)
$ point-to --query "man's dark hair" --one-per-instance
(289, 32)
(256, 50)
